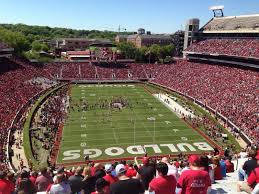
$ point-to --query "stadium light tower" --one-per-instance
(218, 10)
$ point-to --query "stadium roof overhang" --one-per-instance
(218, 55)
(103, 45)
(230, 31)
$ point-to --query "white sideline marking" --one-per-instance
(83, 126)
(154, 109)
(92, 94)
(167, 122)
(160, 115)
(83, 118)
(83, 97)
(149, 104)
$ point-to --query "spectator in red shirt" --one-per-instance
(217, 170)
(5, 185)
(109, 177)
(33, 177)
(163, 184)
(230, 165)
(10, 177)
(195, 180)
(131, 172)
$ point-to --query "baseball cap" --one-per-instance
(120, 168)
(108, 167)
(194, 159)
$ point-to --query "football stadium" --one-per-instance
(131, 112)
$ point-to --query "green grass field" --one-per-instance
(144, 121)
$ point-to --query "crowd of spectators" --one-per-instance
(186, 175)
(17, 88)
(233, 47)
(233, 92)
(46, 124)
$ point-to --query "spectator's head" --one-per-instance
(98, 166)
(120, 170)
(194, 161)
(229, 159)
(60, 170)
(108, 168)
(25, 174)
(165, 160)
(3, 174)
(101, 185)
(252, 153)
(162, 168)
(43, 170)
(204, 161)
(215, 161)
(79, 171)
(145, 160)
(34, 174)
(87, 171)
(60, 178)
(130, 165)
(10, 176)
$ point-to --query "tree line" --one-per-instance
(26, 37)
(153, 53)
(29, 40)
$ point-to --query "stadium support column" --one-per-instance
(191, 32)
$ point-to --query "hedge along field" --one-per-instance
(106, 133)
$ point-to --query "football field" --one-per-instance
(122, 120)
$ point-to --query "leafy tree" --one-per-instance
(36, 46)
(45, 47)
(15, 39)
(128, 50)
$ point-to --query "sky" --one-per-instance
(157, 16)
